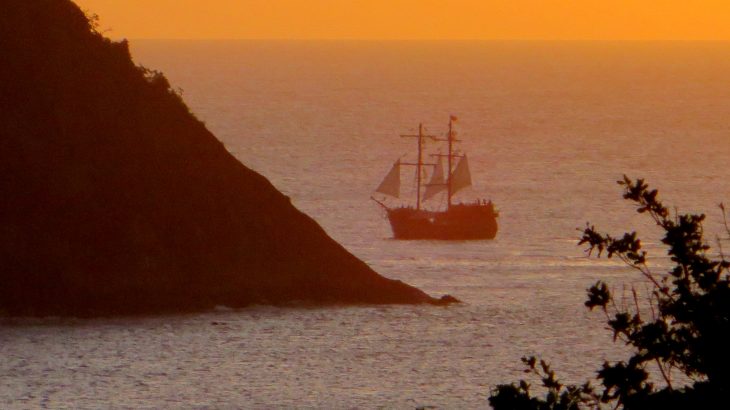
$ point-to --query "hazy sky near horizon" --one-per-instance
(415, 19)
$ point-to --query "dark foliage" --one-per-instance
(115, 199)
(686, 330)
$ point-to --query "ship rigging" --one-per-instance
(476, 220)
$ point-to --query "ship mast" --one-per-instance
(418, 167)
(419, 164)
(451, 140)
(448, 178)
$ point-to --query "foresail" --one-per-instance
(437, 183)
(461, 177)
(391, 182)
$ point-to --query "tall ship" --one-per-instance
(458, 221)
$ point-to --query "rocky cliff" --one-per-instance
(115, 199)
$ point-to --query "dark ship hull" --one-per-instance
(460, 222)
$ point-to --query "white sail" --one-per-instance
(437, 183)
(391, 182)
(461, 177)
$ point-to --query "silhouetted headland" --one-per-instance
(117, 200)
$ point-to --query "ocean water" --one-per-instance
(548, 127)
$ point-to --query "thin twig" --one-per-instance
(664, 374)
(636, 302)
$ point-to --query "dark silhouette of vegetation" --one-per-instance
(683, 329)
(117, 200)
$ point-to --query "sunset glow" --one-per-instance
(400, 204)
(415, 19)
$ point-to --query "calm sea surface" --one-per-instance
(549, 128)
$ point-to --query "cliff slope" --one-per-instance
(116, 199)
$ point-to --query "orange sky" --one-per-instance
(416, 19)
